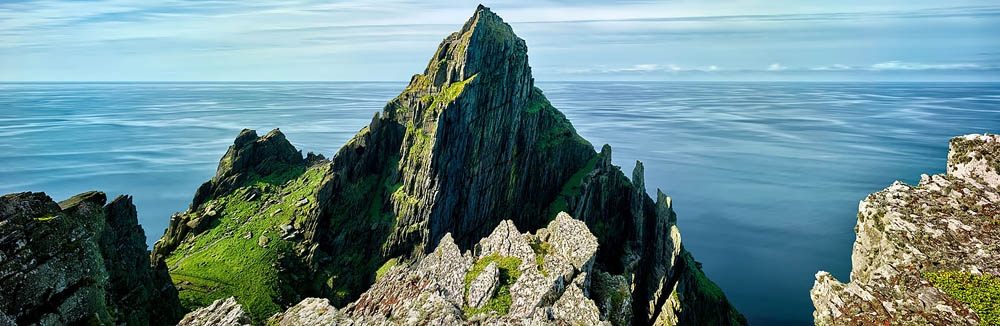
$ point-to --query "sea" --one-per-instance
(765, 177)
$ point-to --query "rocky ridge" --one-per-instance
(925, 254)
(79, 261)
(468, 146)
(543, 276)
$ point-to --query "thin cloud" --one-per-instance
(776, 67)
(897, 65)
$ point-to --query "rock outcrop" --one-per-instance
(544, 284)
(470, 148)
(222, 312)
(79, 261)
(925, 254)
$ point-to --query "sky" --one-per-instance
(291, 40)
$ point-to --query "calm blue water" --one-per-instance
(766, 177)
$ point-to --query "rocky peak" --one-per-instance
(472, 118)
(484, 46)
(249, 157)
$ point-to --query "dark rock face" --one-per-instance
(641, 254)
(945, 227)
(79, 261)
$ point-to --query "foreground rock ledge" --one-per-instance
(949, 224)
(79, 262)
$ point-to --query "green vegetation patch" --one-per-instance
(46, 218)
(385, 267)
(501, 300)
(980, 292)
(541, 249)
(706, 288)
(570, 189)
(227, 259)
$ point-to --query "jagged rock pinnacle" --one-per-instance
(484, 45)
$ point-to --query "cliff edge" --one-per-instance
(925, 254)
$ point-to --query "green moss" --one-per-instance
(385, 267)
(454, 90)
(47, 217)
(980, 292)
(537, 101)
(706, 288)
(570, 189)
(222, 262)
(501, 300)
(541, 249)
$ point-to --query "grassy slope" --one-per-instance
(216, 265)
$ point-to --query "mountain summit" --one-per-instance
(468, 154)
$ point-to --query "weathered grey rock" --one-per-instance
(942, 224)
(222, 312)
(447, 266)
(576, 309)
(506, 241)
(406, 298)
(79, 261)
(484, 286)
(311, 311)
(570, 240)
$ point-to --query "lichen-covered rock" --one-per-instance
(576, 309)
(571, 242)
(222, 312)
(406, 298)
(311, 311)
(484, 286)
(447, 265)
(946, 223)
(79, 261)
(506, 241)
(423, 294)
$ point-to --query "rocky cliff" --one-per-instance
(925, 254)
(79, 262)
(470, 144)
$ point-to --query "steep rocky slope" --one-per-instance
(79, 262)
(468, 144)
(925, 254)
